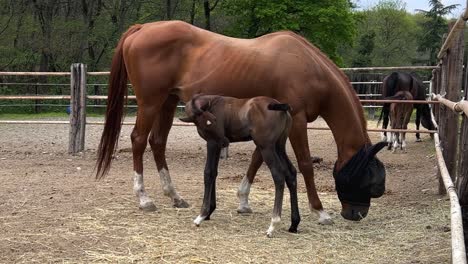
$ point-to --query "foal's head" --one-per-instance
(205, 111)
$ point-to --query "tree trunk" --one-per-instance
(206, 7)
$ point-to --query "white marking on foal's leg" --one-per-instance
(224, 153)
(383, 136)
(243, 194)
(198, 220)
(395, 145)
(169, 190)
(323, 217)
(275, 220)
(403, 143)
(139, 189)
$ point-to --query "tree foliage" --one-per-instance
(49, 35)
(434, 26)
(325, 23)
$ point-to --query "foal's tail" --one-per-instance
(117, 93)
(279, 107)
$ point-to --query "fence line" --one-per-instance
(456, 223)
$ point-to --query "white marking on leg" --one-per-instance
(198, 220)
(224, 153)
(403, 143)
(275, 220)
(166, 184)
(383, 136)
(243, 194)
(139, 190)
(323, 217)
(390, 138)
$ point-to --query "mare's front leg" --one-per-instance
(277, 172)
(158, 141)
(418, 121)
(299, 142)
(211, 171)
(244, 188)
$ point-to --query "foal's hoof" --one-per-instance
(148, 207)
(181, 203)
(244, 210)
(418, 140)
(292, 229)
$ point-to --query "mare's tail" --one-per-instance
(279, 107)
(117, 92)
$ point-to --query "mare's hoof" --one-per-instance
(325, 221)
(244, 210)
(292, 229)
(148, 207)
(418, 140)
(181, 203)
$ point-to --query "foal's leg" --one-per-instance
(299, 142)
(277, 169)
(139, 136)
(244, 187)
(403, 141)
(211, 171)
(291, 182)
(158, 141)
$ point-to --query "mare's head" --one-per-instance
(205, 112)
(359, 180)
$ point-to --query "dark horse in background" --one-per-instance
(170, 61)
(400, 81)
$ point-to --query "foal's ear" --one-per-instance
(374, 149)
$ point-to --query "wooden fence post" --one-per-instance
(448, 128)
(77, 108)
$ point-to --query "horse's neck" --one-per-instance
(346, 120)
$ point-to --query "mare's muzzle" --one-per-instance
(360, 179)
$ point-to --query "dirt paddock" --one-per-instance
(52, 209)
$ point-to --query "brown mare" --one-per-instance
(171, 60)
(221, 120)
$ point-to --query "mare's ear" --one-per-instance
(374, 149)
(187, 119)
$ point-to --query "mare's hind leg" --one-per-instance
(385, 113)
(158, 141)
(244, 188)
(418, 121)
(139, 136)
(299, 142)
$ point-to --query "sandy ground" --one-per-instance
(52, 209)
